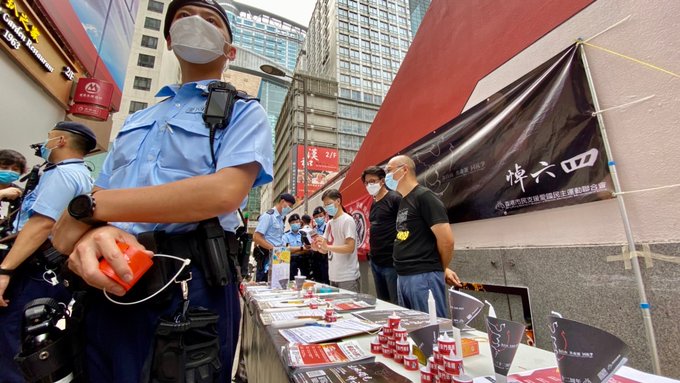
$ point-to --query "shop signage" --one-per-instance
(92, 99)
(22, 31)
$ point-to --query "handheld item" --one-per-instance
(138, 261)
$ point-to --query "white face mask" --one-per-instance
(373, 189)
(196, 40)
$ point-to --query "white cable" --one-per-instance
(622, 105)
(646, 190)
(185, 263)
(607, 29)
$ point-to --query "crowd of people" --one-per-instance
(165, 157)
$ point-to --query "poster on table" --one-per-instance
(280, 271)
(504, 338)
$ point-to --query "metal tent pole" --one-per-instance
(644, 304)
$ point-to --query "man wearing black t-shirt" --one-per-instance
(423, 247)
(383, 217)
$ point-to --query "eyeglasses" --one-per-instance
(371, 182)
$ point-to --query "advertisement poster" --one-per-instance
(322, 165)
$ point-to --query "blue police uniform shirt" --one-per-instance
(320, 229)
(270, 225)
(170, 142)
(292, 239)
(57, 187)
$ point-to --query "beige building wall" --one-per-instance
(644, 137)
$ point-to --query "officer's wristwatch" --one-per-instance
(82, 208)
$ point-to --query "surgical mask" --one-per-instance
(45, 151)
(295, 227)
(196, 40)
(286, 210)
(373, 189)
(8, 176)
(331, 209)
(320, 221)
(390, 182)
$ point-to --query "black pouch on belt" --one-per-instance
(187, 348)
(214, 258)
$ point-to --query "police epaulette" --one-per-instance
(270, 211)
(241, 95)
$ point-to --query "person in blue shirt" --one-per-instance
(160, 179)
(24, 274)
(298, 250)
(320, 260)
(269, 233)
(12, 166)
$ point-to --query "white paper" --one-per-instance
(316, 334)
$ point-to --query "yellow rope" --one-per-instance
(631, 59)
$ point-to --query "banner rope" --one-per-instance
(608, 28)
(646, 190)
(644, 63)
(622, 106)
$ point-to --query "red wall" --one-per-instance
(459, 42)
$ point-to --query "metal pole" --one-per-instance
(304, 139)
(644, 304)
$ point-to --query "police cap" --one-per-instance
(293, 217)
(287, 197)
(318, 210)
(175, 5)
(79, 129)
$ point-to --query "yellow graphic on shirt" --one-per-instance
(402, 235)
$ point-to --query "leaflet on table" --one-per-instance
(292, 302)
(303, 356)
(551, 374)
(410, 319)
(346, 305)
(280, 270)
(326, 332)
(298, 317)
(367, 372)
(464, 307)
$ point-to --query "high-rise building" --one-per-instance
(417, 9)
(359, 45)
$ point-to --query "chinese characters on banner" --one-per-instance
(533, 145)
(322, 165)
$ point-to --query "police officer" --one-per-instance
(269, 233)
(298, 250)
(160, 179)
(20, 280)
(320, 260)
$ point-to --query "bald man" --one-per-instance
(423, 247)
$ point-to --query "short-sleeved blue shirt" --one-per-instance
(57, 187)
(270, 225)
(292, 239)
(170, 142)
(320, 229)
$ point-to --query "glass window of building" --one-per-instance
(373, 23)
(365, 57)
(345, 79)
(343, 51)
(146, 61)
(356, 81)
(136, 105)
(354, 41)
(363, 8)
(352, 3)
(343, 38)
(342, 13)
(153, 24)
(356, 95)
(155, 6)
(344, 92)
(149, 42)
(344, 64)
(343, 25)
(353, 16)
(354, 54)
(354, 67)
(368, 97)
(142, 83)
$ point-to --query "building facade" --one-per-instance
(359, 45)
(417, 8)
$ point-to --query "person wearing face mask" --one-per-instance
(158, 189)
(12, 166)
(298, 251)
(339, 242)
(22, 270)
(383, 216)
(423, 246)
(269, 233)
(319, 260)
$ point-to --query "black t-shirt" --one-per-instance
(415, 246)
(383, 219)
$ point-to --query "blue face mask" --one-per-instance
(390, 182)
(331, 209)
(285, 211)
(8, 176)
(44, 151)
(295, 227)
(320, 221)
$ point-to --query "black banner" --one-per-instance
(534, 145)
